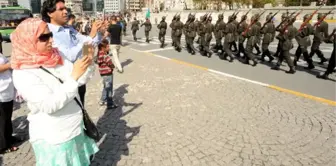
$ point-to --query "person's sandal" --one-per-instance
(9, 150)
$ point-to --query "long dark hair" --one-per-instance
(49, 6)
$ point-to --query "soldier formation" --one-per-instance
(253, 34)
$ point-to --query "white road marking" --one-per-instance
(159, 49)
(237, 77)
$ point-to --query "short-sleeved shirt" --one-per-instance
(115, 33)
(6, 82)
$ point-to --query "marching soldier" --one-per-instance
(252, 38)
(191, 33)
(199, 24)
(321, 32)
(134, 28)
(256, 46)
(178, 27)
(234, 44)
(173, 30)
(209, 28)
(241, 39)
(229, 32)
(1, 43)
(185, 27)
(332, 60)
(279, 36)
(288, 34)
(148, 27)
(162, 30)
(219, 32)
(303, 39)
(269, 33)
(201, 33)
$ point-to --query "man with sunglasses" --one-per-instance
(66, 38)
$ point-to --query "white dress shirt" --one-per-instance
(54, 115)
(6, 84)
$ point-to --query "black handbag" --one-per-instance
(90, 129)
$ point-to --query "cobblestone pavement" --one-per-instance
(175, 115)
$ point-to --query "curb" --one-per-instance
(318, 99)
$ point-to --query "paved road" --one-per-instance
(303, 81)
(174, 115)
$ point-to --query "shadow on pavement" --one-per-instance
(20, 128)
(127, 62)
(116, 133)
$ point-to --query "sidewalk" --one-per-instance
(174, 115)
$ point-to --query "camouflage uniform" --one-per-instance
(230, 30)
(269, 33)
(148, 27)
(135, 28)
(219, 32)
(252, 39)
(332, 60)
(191, 34)
(321, 32)
(303, 39)
(178, 27)
(173, 30)
(162, 30)
(209, 29)
(241, 39)
(288, 34)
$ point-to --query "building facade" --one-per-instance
(76, 6)
(134, 5)
(114, 5)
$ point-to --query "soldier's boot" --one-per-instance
(310, 65)
(277, 66)
(291, 70)
(147, 40)
(323, 76)
(209, 54)
(323, 59)
(162, 45)
(270, 57)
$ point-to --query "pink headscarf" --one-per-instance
(24, 46)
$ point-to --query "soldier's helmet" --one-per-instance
(284, 15)
(163, 17)
(189, 16)
(220, 16)
(292, 20)
(319, 16)
(210, 18)
(253, 18)
(230, 18)
(178, 17)
(244, 17)
(256, 17)
(305, 17)
(268, 17)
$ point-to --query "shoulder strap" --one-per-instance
(61, 81)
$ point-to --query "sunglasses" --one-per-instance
(45, 37)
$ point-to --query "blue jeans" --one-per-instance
(107, 94)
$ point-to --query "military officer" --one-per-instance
(209, 29)
(252, 38)
(230, 30)
(178, 27)
(173, 30)
(219, 32)
(241, 39)
(269, 33)
(321, 32)
(191, 33)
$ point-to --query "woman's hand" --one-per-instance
(80, 67)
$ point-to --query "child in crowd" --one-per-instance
(106, 71)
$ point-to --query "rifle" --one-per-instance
(284, 29)
(252, 23)
(283, 21)
(319, 21)
(208, 17)
(269, 20)
(332, 34)
(245, 16)
(310, 17)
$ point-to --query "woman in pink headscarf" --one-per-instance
(55, 119)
